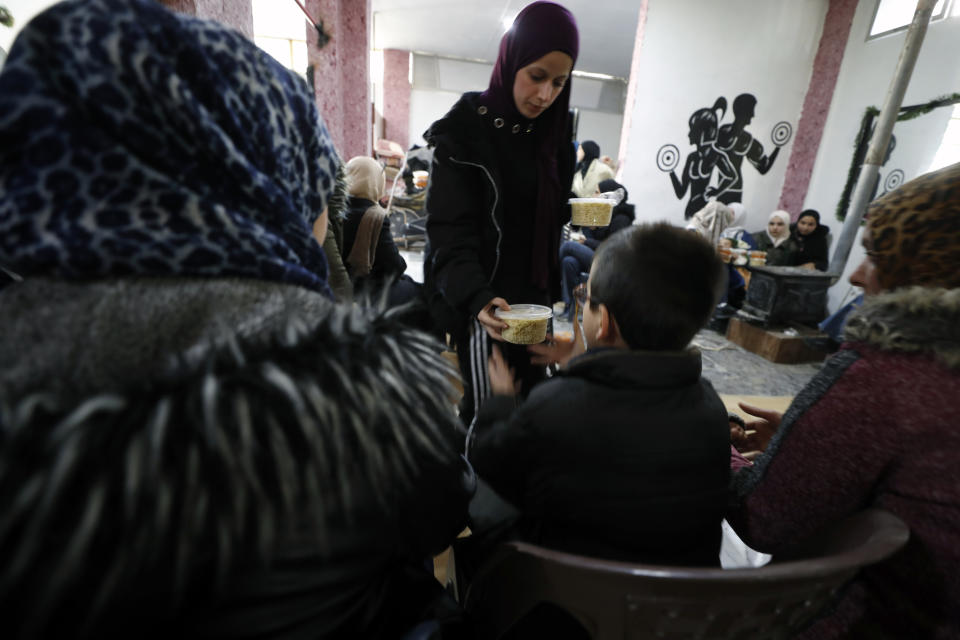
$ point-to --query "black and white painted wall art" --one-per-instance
(715, 168)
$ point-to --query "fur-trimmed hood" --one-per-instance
(912, 319)
(156, 432)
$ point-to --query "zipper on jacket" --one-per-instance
(493, 212)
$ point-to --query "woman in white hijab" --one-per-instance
(711, 221)
(737, 232)
(776, 241)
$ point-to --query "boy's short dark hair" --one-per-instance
(660, 282)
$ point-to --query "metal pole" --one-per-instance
(881, 135)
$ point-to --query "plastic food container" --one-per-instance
(420, 179)
(739, 256)
(758, 258)
(591, 212)
(526, 323)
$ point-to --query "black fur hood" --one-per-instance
(913, 320)
(152, 426)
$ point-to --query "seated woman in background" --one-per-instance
(372, 258)
(195, 441)
(736, 235)
(810, 237)
(711, 223)
(590, 170)
(776, 241)
(577, 254)
(877, 426)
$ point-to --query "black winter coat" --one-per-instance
(466, 215)
(624, 455)
(388, 264)
(812, 248)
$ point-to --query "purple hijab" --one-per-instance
(540, 28)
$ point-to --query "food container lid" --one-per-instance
(525, 312)
(590, 200)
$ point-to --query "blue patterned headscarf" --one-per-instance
(137, 141)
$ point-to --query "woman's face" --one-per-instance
(320, 227)
(865, 275)
(806, 225)
(580, 153)
(538, 84)
(776, 227)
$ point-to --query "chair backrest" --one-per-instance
(629, 601)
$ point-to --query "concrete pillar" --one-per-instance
(341, 72)
(233, 13)
(816, 104)
(396, 96)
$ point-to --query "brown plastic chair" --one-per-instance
(630, 601)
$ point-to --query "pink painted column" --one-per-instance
(396, 96)
(816, 104)
(341, 72)
(233, 13)
(631, 87)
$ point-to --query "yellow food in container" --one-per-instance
(590, 212)
(526, 323)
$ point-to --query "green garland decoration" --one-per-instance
(863, 139)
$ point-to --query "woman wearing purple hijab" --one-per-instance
(502, 168)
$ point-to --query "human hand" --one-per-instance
(490, 322)
(551, 351)
(753, 439)
(502, 381)
(808, 265)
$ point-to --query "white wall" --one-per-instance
(864, 81)
(697, 50)
(426, 107)
(438, 83)
(603, 128)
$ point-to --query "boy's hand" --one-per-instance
(559, 352)
(551, 351)
(501, 376)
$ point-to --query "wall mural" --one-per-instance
(715, 168)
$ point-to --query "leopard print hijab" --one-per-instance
(137, 141)
(916, 232)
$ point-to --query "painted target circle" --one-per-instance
(781, 134)
(894, 179)
(668, 157)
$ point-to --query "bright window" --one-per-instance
(949, 151)
(280, 29)
(896, 15)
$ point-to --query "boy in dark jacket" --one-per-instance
(625, 453)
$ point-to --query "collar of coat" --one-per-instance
(623, 368)
(912, 320)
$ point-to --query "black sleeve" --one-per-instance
(453, 204)
(819, 254)
(387, 262)
(500, 452)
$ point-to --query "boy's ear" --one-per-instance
(607, 331)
